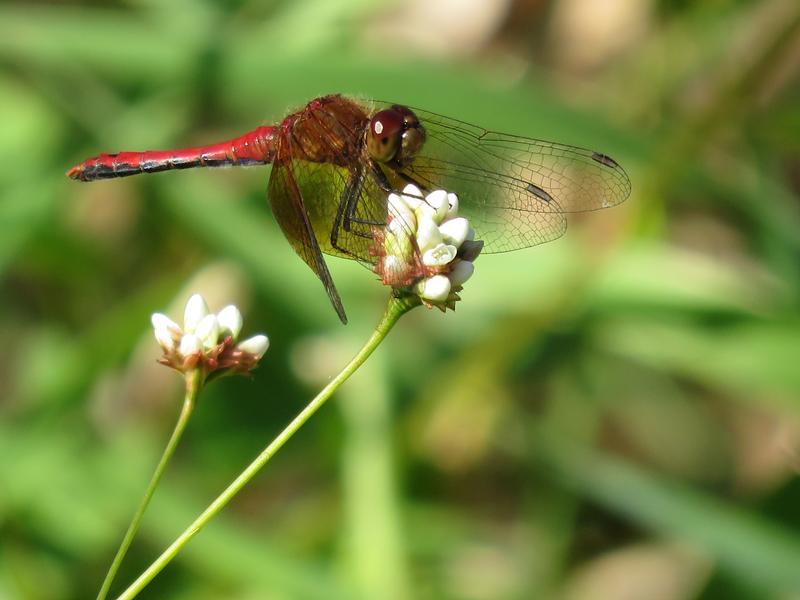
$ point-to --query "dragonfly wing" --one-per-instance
(364, 212)
(287, 200)
(503, 217)
(344, 207)
(515, 190)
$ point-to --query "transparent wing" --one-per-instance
(514, 190)
(329, 191)
(287, 194)
(347, 209)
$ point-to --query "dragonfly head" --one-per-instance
(395, 135)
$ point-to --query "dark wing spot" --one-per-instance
(604, 159)
(539, 193)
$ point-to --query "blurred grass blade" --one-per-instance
(748, 546)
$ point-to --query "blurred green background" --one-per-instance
(615, 415)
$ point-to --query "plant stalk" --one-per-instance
(395, 309)
(193, 385)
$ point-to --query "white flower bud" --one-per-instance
(452, 201)
(230, 321)
(435, 289)
(455, 231)
(190, 344)
(413, 191)
(203, 346)
(412, 196)
(437, 200)
(439, 255)
(208, 331)
(399, 226)
(256, 346)
(461, 272)
(162, 321)
(402, 216)
(196, 310)
(165, 330)
(425, 212)
(424, 245)
(398, 245)
(428, 235)
(393, 267)
(164, 340)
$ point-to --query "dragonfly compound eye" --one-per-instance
(384, 135)
(413, 135)
(413, 139)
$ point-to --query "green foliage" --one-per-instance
(615, 411)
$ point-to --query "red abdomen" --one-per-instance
(254, 148)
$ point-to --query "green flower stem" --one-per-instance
(193, 385)
(396, 308)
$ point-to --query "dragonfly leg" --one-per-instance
(337, 222)
(381, 179)
(346, 207)
(350, 200)
(350, 215)
(365, 222)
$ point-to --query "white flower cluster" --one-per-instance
(427, 247)
(207, 340)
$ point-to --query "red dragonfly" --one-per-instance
(335, 161)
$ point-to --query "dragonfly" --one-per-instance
(336, 161)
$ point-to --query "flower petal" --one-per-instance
(452, 201)
(413, 191)
(412, 196)
(196, 309)
(437, 200)
(256, 346)
(455, 231)
(164, 340)
(398, 245)
(230, 321)
(402, 215)
(428, 235)
(394, 262)
(425, 211)
(190, 344)
(165, 330)
(461, 272)
(435, 289)
(208, 331)
(160, 320)
(439, 255)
